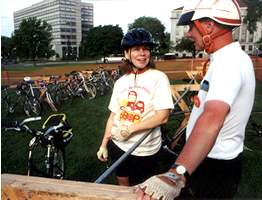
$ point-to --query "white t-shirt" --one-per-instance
(230, 78)
(135, 98)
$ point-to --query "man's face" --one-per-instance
(194, 35)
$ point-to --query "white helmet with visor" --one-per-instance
(224, 12)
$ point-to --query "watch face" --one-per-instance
(180, 169)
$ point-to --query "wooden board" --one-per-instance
(18, 187)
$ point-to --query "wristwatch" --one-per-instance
(181, 170)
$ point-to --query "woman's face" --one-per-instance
(140, 56)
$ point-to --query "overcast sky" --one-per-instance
(106, 12)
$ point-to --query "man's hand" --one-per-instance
(102, 154)
(120, 133)
(165, 186)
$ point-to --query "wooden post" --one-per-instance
(18, 187)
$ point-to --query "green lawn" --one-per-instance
(88, 119)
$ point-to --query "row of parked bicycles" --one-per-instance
(54, 91)
(46, 148)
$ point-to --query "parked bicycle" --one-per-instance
(46, 155)
(25, 96)
(46, 97)
(76, 85)
(102, 80)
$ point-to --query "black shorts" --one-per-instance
(215, 179)
(137, 168)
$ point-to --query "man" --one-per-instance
(210, 162)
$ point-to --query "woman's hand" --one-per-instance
(102, 153)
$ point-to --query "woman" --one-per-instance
(141, 100)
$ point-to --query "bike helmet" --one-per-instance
(224, 12)
(137, 36)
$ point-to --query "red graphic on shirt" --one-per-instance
(133, 109)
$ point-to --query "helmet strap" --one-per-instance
(208, 39)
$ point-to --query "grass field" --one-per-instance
(88, 119)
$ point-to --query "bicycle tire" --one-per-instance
(90, 91)
(32, 107)
(51, 103)
(58, 165)
(37, 160)
(5, 108)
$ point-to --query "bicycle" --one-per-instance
(46, 154)
(45, 95)
(26, 97)
(183, 94)
(77, 86)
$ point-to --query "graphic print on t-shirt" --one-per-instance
(131, 108)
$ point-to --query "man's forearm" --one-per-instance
(203, 136)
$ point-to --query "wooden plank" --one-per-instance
(183, 87)
(18, 187)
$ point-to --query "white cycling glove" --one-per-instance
(102, 154)
(165, 186)
(120, 133)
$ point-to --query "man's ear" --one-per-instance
(209, 25)
(127, 54)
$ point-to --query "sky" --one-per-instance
(121, 12)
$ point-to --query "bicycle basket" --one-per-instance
(64, 135)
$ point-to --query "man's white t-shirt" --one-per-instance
(230, 78)
(135, 98)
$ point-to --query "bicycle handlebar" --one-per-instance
(17, 129)
(31, 119)
(21, 126)
(54, 128)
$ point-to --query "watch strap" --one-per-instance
(186, 174)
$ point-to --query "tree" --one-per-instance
(101, 41)
(254, 14)
(259, 44)
(157, 29)
(33, 39)
(7, 48)
(186, 44)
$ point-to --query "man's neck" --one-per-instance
(222, 41)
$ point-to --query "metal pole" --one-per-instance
(122, 158)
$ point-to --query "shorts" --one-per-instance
(215, 179)
(137, 168)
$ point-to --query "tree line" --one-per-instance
(32, 40)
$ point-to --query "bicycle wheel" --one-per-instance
(58, 170)
(5, 108)
(90, 91)
(32, 107)
(51, 102)
(175, 140)
(37, 159)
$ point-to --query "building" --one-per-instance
(246, 39)
(70, 20)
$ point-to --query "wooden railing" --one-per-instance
(18, 187)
